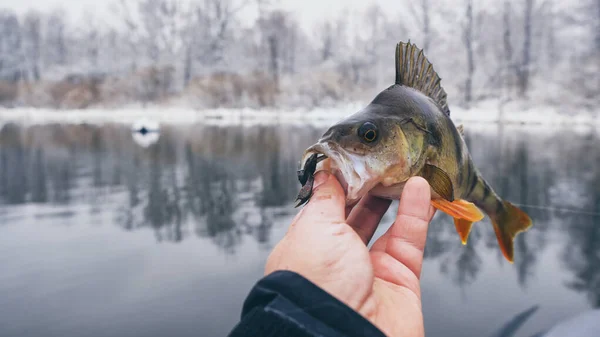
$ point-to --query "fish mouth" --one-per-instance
(349, 169)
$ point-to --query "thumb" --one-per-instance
(328, 201)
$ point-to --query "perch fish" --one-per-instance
(406, 131)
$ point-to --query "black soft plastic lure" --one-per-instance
(306, 176)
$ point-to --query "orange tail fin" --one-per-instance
(507, 224)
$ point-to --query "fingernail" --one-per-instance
(320, 178)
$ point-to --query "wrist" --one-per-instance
(298, 298)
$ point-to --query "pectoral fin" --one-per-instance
(439, 181)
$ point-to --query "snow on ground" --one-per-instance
(484, 113)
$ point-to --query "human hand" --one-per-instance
(329, 248)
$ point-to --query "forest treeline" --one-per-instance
(207, 53)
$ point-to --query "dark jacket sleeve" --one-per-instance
(286, 304)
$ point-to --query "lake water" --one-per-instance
(100, 236)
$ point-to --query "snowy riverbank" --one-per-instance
(486, 113)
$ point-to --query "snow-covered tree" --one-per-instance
(10, 46)
(538, 50)
(32, 44)
(55, 39)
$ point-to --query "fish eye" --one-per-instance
(368, 132)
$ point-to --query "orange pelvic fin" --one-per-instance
(463, 228)
(464, 213)
(459, 209)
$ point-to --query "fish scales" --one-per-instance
(406, 131)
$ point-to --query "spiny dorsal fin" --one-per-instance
(461, 129)
(414, 70)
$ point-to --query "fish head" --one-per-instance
(368, 148)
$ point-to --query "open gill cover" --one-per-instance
(414, 70)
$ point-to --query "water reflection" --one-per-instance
(582, 249)
(13, 183)
(227, 184)
(510, 328)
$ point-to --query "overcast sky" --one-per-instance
(73, 5)
(306, 11)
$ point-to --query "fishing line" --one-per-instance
(560, 209)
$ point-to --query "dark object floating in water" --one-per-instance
(145, 132)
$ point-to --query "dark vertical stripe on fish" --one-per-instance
(486, 191)
(499, 205)
(472, 179)
(465, 176)
(458, 143)
(468, 178)
(435, 137)
(459, 158)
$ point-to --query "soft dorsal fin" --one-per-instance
(414, 70)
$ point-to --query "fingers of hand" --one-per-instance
(365, 217)
(388, 269)
(405, 240)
